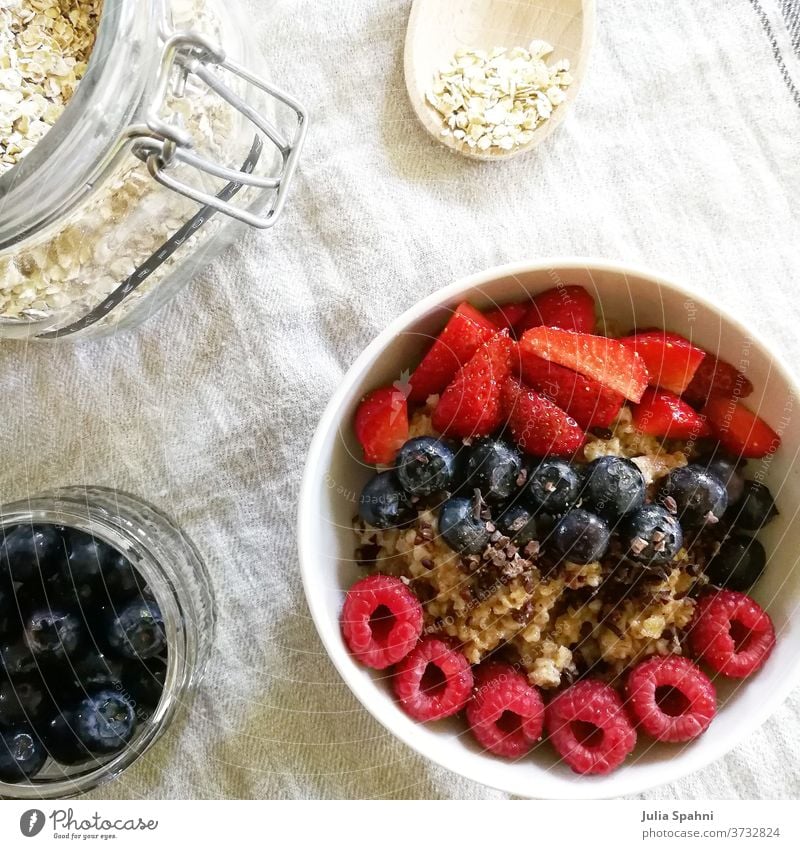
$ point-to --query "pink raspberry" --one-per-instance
(433, 682)
(589, 728)
(381, 620)
(505, 714)
(731, 633)
(671, 698)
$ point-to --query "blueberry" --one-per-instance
(738, 564)
(61, 740)
(53, 634)
(86, 556)
(425, 465)
(757, 507)
(9, 617)
(494, 467)
(93, 671)
(28, 550)
(652, 535)
(17, 660)
(613, 487)
(727, 470)
(144, 682)
(383, 503)
(22, 755)
(119, 577)
(104, 722)
(581, 537)
(554, 486)
(138, 631)
(22, 701)
(698, 496)
(520, 523)
(460, 528)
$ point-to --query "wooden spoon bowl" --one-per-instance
(437, 28)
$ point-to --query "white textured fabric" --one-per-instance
(680, 154)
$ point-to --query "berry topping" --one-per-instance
(537, 425)
(509, 317)
(727, 471)
(553, 486)
(383, 503)
(739, 430)
(493, 466)
(610, 362)
(716, 377)
(613, 486)
(662, 413)
(104, 722)
(470, 406)
(425, 465)
(581, 537)
(731, 633)
(27, 549)
(756, 508)
(520, 524)
(505, 714)
(137, 631)
(433, 682)
(652, 535)
(671, 360)
(461, 526)
(738, 564)
(589, 728)
(381, 424)
(464, 333)
(694, 495)
(568, 307)
(672, 700)
(22, 755)
(381, 620)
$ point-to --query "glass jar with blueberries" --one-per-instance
(106, 623)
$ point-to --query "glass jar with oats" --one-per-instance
(137, 139)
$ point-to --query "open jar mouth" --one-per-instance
(170, 565)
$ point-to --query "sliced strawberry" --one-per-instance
(662, 413)
(716, 377)
(589, 403)
(463, 334)
(610, 362)
(538, 426)
(510, 316)
(671, 360)
(738, 429)
(381, 424)
(568, 307)
(470, 406)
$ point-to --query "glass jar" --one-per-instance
(171, 144)
(169, 563)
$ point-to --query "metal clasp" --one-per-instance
(161, 144)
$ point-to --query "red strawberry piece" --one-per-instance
(716, 377)
(470, 406)
(589, 403)
(569, 307)
(509, 316)
(662, 413)
(381, 424)
(463, 334)
(671, 360)
(538, 426)
(610, 362)
(738, 429)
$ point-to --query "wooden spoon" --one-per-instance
(437, 28)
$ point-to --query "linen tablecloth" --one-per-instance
(681, 154)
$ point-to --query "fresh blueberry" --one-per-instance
(757, 507)
(94, 671)
(86, 556)
(738, 564)
(22, 701)
(119, 577)
(22, 754)
(727, 470)
(10, 625)
(494, 467)
(138, 630)
(17, 660)
(144, 682)
(554, 486)
(28, 550)
(652, 535)
(581, 537)
(697, 496)
(104, 721)
(520, 523)
(461, 528)
(613, 487)
(61, 740)
(54, 592)
(425, 465)
(53, 634)
(383, 503)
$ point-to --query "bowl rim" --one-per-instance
(674, 769)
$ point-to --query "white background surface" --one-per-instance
(681, 154)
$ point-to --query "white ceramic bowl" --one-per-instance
(334, 476)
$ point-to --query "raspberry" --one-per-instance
(433, 682)
(506, 714)
(589, 728)
(381, 620)
(731, 633)
(672, 699)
